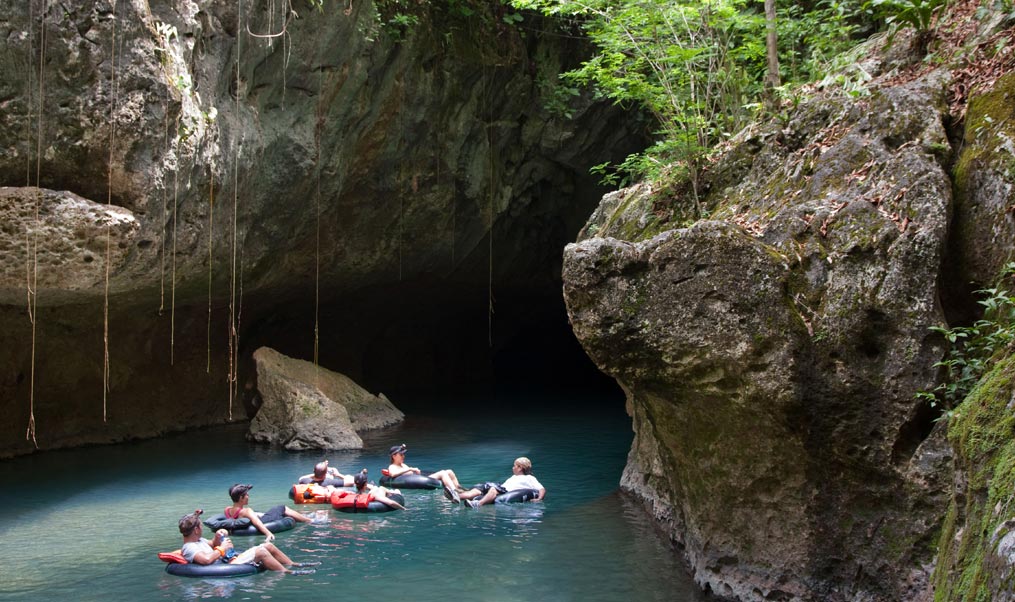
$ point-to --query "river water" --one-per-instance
(86, 524)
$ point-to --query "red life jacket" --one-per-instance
(348, 499)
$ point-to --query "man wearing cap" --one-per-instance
(521, 478)
(325, 476)
(447, 477)
(198, 550)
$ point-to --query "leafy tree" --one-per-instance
(699, 66)
(684, 60)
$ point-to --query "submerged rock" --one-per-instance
(309, 407)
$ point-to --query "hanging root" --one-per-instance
(33, 276)
(109, 201)
(211, 213)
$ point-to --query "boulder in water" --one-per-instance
(309, 407)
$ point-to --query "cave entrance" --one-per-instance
(425, 340)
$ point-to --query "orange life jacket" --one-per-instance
(311, 493)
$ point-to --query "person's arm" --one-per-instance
(535, 484)
(396, 470)
(256, 521)
(334, 472)
(380, 497)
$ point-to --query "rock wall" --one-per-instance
(248, 162)
(976, 558)
(771, 354)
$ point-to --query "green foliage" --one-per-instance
(975, 348)
(557, 95)
(697, 66)
(688, 62)
(908, 13)
(985, 453)
(397, 18)
(809, 40)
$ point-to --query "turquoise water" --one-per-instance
(86, 524)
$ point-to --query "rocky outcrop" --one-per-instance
(771, 355)
(985, 187)
(304, 406)
(976, 558)
(70, 241)
(250, 164)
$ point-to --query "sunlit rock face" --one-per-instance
(771, 354)
(235, 181)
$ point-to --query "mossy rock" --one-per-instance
(984, 190)
(982, 515)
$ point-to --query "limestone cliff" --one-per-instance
(228, 164)
(771, 353)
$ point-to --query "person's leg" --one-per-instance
(488, 497)
(277, 554)
(449, 478)
(264, 557)
(470, 493)
(297, 516)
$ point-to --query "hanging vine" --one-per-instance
(233, 336)
(32, 241)
(162, 254)
(109, 201)
(287, 15)
(489, 149)
(401, 172)
(318, 131)
(172, 305)
(211, 214)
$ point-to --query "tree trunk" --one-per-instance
(772, 79)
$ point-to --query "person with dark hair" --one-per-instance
(375, 492)
(521, 478)
(447, 477)
(241, 497)
(198, 550)
(323, 472)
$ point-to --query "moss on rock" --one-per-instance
(983, 434)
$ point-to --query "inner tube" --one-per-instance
(345, 501)
(410, 481)
(242, 526)
(518, 495)
(215, 569)
(178, 565)
(330, 481)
